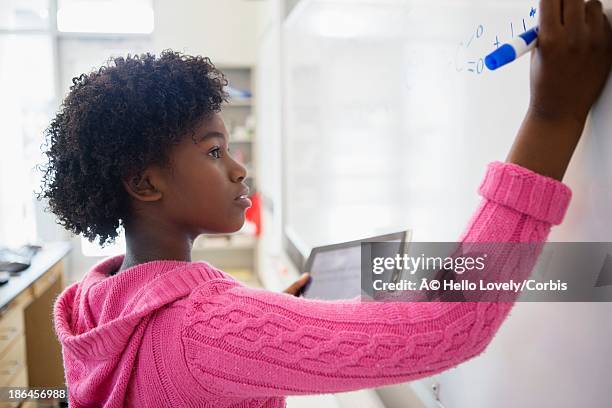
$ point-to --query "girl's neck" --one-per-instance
(148, 241)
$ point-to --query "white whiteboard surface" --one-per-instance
(390, 120)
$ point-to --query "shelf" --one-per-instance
(224, 248)
(230, 253)
(246, 276)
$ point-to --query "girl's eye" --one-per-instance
(216, 153)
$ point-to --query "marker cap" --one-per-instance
(500, 57)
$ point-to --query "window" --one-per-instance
(24, 15)
(28, 99)
(37, 63)
(105, 16)
(93, 249)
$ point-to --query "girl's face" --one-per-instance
(204, 191)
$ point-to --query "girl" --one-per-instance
(140, 143)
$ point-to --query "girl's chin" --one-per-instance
(235, 226)
(228, 228)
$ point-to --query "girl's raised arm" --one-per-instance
(240, 342)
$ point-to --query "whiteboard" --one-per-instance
(390, 119)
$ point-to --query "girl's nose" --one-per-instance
(238, 172)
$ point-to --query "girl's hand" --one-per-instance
(296, 288)
(569, 69)
(572, 61)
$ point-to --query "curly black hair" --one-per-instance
(114, 123)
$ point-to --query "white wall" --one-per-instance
(224, 30)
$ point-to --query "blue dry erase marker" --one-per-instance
(509, 52)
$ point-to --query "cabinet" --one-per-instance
(13, 361)
(30, 354)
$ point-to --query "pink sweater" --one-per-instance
(170, 333)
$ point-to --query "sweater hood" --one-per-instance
(100, 322)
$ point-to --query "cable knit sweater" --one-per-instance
(170, 333)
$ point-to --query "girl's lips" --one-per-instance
(243, 202)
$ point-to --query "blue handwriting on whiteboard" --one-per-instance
(475, 64)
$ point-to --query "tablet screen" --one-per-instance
(335, 270)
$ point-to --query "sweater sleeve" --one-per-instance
(243, 342)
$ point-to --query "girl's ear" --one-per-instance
(143, 186)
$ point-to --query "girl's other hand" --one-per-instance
(569, 69)
(571, 64)
(297, 287)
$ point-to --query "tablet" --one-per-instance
(335, 270)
